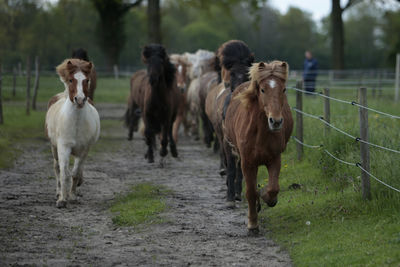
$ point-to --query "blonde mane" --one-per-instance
(64, 70)
(259, 72)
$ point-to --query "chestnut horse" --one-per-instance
(72, 125)
(155, 97)
(182, 81)
(234, 58)
(82, 54)
(257, 127)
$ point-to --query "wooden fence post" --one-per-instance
(14, 84)
(116, 72)
(299, 120)
(1, 101)
(364, 148)
(327, 111)
(28, 84)
(36, 84)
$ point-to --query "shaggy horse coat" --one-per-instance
(257, 127)
(155, 97)
(234, 58)
(82, 54)
(72, 125)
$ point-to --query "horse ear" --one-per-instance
(90, 66)
(70, 65)
(261, 65)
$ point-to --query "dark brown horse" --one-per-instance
(154, 96)
(234, 58)
(82, 54)
(257, 127)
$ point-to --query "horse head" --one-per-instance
(268, 81)
(159, 67)
(75, 74)
(181, 66)
(234, 58)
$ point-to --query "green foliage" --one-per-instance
(142, 205)
(343, 228)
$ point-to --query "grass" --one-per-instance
(18, 128)
(343, 229)
(142, 205)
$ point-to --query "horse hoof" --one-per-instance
(230, 205)
(253, 231)
(61, 204)
(238, 197)
(130, 138)
(163, 152)
(174, 153)
(150, 160)
(80, 182)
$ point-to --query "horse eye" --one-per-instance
(262, 91)
(70, 81)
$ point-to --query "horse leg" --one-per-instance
(238, 181)
(222, 159)
(270, 193)
(150, 141)
(172, 144)
(164, 140)
(175, 128)
(195, 126)
(230, 177)
(250, 174)
(77, 175)
(56, 167)
(208, 137)
(65, 178)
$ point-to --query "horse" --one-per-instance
(201, 63)
(82, 54)
(233, 58)
(72, 125)
(154, 97)
(182, 80)
(257, 128)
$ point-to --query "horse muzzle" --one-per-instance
(275, 124)
(80, 102)
(270, 198)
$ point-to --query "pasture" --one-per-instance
(343, 228)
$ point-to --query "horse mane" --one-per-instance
(234, 52)
(80, 53)
(156, 57)
(73, 65)
(259, 72)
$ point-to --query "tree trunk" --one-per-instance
(337, 36)
(28, 85)
(154, 21)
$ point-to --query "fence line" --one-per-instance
(353, 103)
(346, 162)
(358, 139)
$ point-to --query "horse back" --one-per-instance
(139, 85)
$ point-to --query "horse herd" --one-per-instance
(242, 106)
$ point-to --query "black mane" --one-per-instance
(80, 53)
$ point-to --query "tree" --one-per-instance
(110, 29)
(154, 21)
(338, 32)
(391, 30)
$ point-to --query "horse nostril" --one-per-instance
(271, 120)
(75, 99)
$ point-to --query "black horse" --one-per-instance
(154, 97)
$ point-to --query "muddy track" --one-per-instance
(198, 231)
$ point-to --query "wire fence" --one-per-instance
(358, 139)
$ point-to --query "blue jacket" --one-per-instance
(310, 69)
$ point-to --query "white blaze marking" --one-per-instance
(272, 83)
(80, 77)
(180, 69)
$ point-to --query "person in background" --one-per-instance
(309, 72)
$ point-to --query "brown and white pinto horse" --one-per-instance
(154, 97)
(182, 81)
(257, 127)
(72, 125)
(81, 53)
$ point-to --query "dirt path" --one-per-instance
(199, 230)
